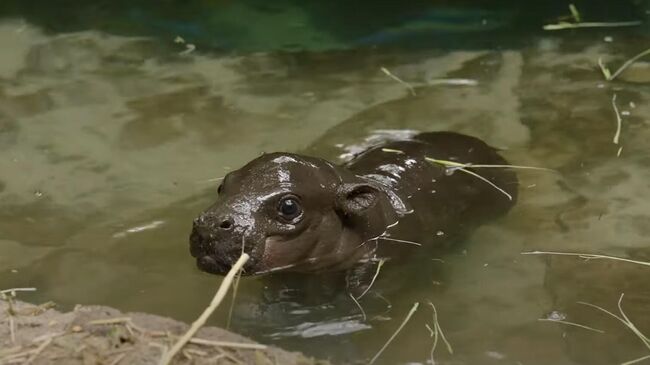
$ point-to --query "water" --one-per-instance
(110, 144)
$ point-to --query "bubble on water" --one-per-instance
(556, 316)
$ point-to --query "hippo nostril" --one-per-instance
(226, 224)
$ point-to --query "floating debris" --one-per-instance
(578, 23)
(390, 74)
(218, 297)
(623, 318)
(570, 324)
(144, 227)
(586, 256)
(567, 25)
(436, 332)
(408, 317)
(189, 47)
(619, 121)
(607, 73)
(453, 82)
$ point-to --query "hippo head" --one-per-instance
(290, 212)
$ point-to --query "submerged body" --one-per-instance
(296, 213)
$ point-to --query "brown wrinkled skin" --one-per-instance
(351, 214)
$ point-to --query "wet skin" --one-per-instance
(294, 213)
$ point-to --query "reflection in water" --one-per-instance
(104, 138)
(259, 25)
(340, 326)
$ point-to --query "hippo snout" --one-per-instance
(214, 222)
(215, 242)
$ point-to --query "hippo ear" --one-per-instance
(354, 199)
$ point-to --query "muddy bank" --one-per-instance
(39, 334)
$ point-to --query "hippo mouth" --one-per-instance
(220, 265)
(213, 261)
(211, 265)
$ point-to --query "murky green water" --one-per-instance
(109, 146)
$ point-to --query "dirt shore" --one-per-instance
(39, 334)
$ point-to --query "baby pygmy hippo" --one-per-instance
(296, 213)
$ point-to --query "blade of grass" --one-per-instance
(218, 298)
(587, 256)
(571, 324)
(627, 64)
(390, 74)
(406, 319)
(567, 25)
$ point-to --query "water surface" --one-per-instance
(110, 145)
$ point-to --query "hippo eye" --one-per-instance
(289, 208)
